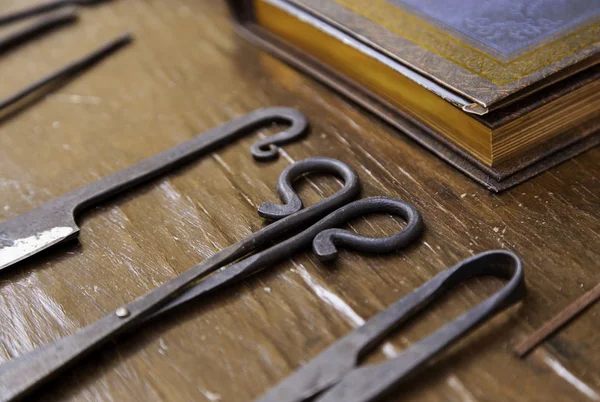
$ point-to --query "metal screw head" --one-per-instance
(122, 312)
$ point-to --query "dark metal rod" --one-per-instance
(43, 8)
(68, 70)
(52, 21)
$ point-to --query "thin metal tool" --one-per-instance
(68, 71)
(20, 376)
(54, 221)
(559, 321)
(334, 371)
(51, 21)
(44, 8)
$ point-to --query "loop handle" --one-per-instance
(369, 383)
(324, 244)
(267, 148)
(291, 201)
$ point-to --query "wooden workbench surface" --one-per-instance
(188, 72)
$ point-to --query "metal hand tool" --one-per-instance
(333, 371)
(67, 71)
(54, 221)
(21, 375)
(44, 8)
(51, 21)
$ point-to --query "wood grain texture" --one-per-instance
(188, 72)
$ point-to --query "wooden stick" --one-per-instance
(559, 321)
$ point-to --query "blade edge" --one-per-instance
(23, 248)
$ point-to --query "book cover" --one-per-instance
(577, 71)
(490, 51)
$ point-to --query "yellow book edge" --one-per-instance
(489, 146)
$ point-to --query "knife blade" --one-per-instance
(35, 231)
(54, 222)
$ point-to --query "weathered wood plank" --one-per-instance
(187, 72)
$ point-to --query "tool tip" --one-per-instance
(127, 37)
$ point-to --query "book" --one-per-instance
(504, 85)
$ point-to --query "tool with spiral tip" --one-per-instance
(54, 221)
(333, 377)
(20, 376)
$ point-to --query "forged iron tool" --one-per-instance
(333, 375)
(44, 8)
(66, 72)
(23, 374)
(54, 221)
(42, 25)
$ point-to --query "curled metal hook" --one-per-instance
(23, 374)
(267, 148)
(291, 202)
(54, 221)
(325, 234)
(322, 247)
(289, 216)
(324, 244)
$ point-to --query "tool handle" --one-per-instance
(25, 373)
(378, 327)
(164, 161)
(371, 382)
(54, 221)
(324, 237)
(289, 216)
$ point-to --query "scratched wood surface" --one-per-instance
(187, 72)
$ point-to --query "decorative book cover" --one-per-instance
(494, 61)
(485, 50)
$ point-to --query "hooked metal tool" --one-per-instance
(54, 221)
(44, 8)
(25, 373)
(332, 376)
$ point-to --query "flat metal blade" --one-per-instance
(313, 378)
(34, 231)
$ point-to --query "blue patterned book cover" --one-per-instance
(484, 49)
